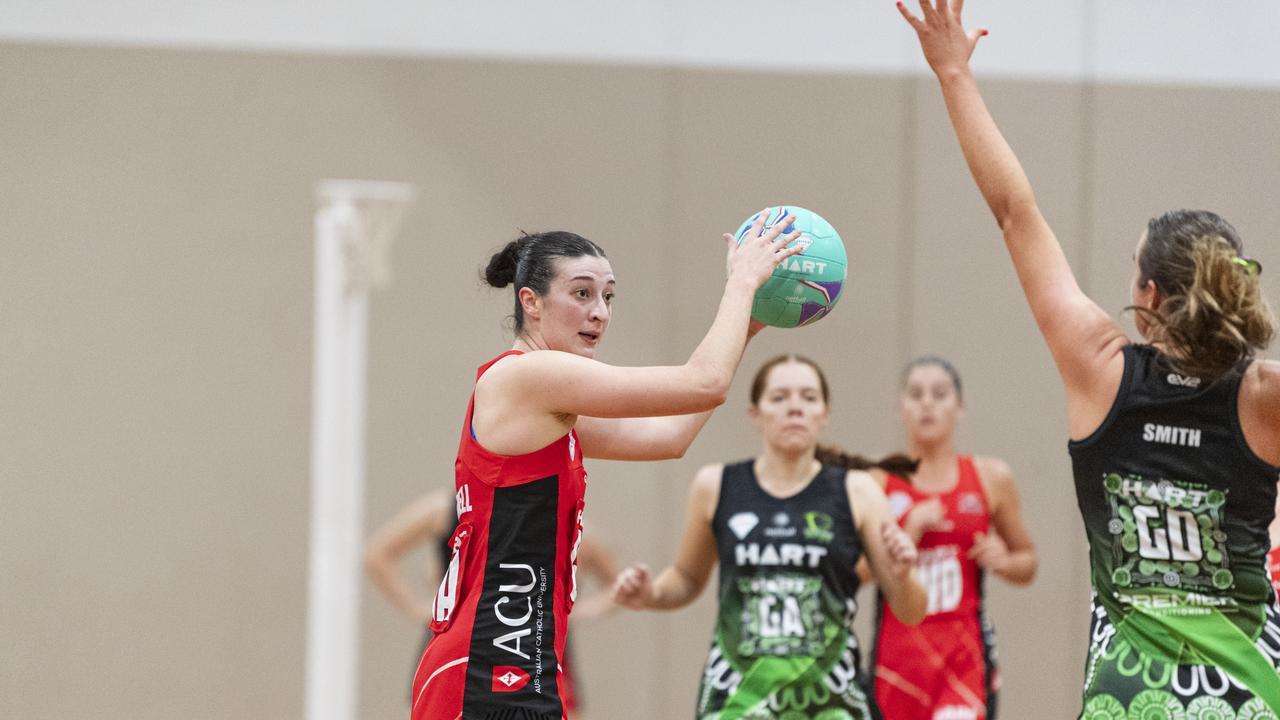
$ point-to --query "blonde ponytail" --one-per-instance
(1213, 317)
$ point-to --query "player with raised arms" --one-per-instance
(500, 615)
(1175, 442)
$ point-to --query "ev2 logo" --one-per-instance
(1179, 539)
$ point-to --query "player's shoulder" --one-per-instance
(1266, 375)
(861, 482)
(992, 469)
(708, 477)
(704, 491)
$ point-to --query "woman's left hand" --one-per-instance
(989, 551)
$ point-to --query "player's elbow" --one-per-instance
(374, 560)
(708, 386)
(1026, 575)
(1014, 212)
(711, 394)
(675, 451)
(910, 605)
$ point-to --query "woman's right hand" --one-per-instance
(925, 517)
(633, 587)
(754, 259)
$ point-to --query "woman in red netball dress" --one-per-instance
(963, 512)
(500, 615)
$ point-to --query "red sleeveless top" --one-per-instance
(943, 666)
(502, 611)
(946, 570)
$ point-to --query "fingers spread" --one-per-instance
(930, 14)
(912, 20)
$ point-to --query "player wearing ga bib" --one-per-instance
(1176, 507)
(500, 615)
(786, 531)
(944, 666)
(784, 645)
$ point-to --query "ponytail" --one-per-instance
(897, 464)
(501, 270)
(1213, 317)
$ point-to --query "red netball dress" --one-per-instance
(944, 667)
(502, 610)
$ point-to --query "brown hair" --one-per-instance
(897, 464)
(935, 361)
(1213, 316)
(528, 261)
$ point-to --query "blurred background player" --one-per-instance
(965, 517)
(787, 529)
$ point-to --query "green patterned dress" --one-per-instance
(783, 646)
(1176, 508)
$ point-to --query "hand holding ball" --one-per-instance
(804, 287)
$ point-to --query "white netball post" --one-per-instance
(354, 225)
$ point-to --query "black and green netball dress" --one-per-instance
(1176, 507)
(783, 647)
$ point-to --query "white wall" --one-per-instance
(1211, 42)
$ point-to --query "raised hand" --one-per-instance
(761, 249)
(946, 44)
(633, 587)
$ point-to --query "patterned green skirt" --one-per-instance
(1122, 683)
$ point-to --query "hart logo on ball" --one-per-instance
(804, 287)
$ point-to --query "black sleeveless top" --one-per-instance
(783, 644)
(1175, 504)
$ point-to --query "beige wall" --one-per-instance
(155, 290)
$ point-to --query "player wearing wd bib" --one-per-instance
(1176, 508)
(946, 663)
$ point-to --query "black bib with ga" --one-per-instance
(784, 645)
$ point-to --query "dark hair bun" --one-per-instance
(501, 270)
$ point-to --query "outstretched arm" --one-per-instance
(522, 403)
(644, 438)
(1084, 340)
(682, 582)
